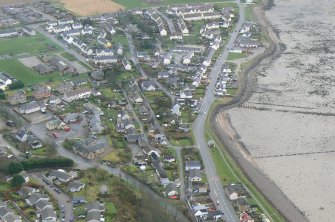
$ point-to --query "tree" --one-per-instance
(15, 168)
(16, 85)
(2, 96)
(17, 180)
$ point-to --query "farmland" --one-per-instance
(27, 44)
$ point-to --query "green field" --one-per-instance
(27, 44)
(68, 56)
(129, 4)
(28, 76)
(234, 55)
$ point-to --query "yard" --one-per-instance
(28, 76)
(27, 44)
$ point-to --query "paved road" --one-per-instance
(62, 198)
(216, 188)
(168, 21)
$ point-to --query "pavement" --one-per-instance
(217, 192)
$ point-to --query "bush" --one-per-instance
(15, 168)
(16, 85)
(17, 180)
(2, 96)
(47, 163)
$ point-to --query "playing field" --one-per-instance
(28, 76)
(89, 7)
(27, 44)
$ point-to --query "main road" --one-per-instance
(216, 187)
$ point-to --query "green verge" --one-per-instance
(229, 172)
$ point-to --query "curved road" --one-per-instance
(216, 187)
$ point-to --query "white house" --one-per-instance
(77, 94)
(126, 64)
(167, 58)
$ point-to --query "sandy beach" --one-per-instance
(288, 123)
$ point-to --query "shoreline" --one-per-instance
(264, 185)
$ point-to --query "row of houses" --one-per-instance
(7, 214)
(158, 20)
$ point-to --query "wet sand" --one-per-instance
(288, 123)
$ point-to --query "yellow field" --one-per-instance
(89, 7)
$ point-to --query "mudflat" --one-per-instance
(288, 123)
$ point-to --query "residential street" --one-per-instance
(217, 191)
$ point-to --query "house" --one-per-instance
(245, 217)
(93, 217)
(8, 33)
(187, 58)
(47, 215)
(215, 215)
(110, 29)
(148, 85)
(88, 148)
(78, 200)
(183, 27)
(55, 124)
(192, 164)
(76, 186)
(77, 25)
(79, 82)
(17, 98)
(176, 36)
(119, 49)
(126, 64)
(163, 75)
(35, 197)
(64, 87)
(24, 175)
(104, 42)
(42, 204)
(87, 30)
(41, 91)
(71, 118)
(95, 207)
(60, 175)
(65, 21)
(32, 107)
(235, 191)
(195, 175)
(176, 110)
(105, 59)
(22, 135)
(171, 190)
(200, 211)
(7, 215)
(5, 79)
(104, 52)
(186, 93)
(167, 58)
(54, 100)
(242, 204)
(27, 191)
(143, 110)
(161, 139)
(76, 94)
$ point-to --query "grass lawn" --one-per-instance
(27, 44)
(182, 142)
(233, 55)
(248, 13)
(231, 91)
(68, 56)
(28, 76)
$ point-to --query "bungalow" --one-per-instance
(110, 29)
(32, 107)
(17, 98)
(55, 124)
(47, 215)
(186, 93)
(183, 27)
(71, 118)
(93, 217)
(35, 197)
(195, 175)
(60, 175)
(242, 204)
(79, 82)
(105, 59)
(143, 110)
(137, 98)
(5, 79)
(88, 149)
(7, 215)
(76, 186)
(95, 207)
(87, 30)
(43, 204)
(171, 190)
(148, 85)
(176, 110)
(27, 191)
(76, 94)
(235, 191)
(126, 64)
(176, 36)
(163, 75)
(42, 68)
(192, 164)
(245, 217)
(54, 100)
(161, 139)
(78, 200)
(200, 211)
(212, 25)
